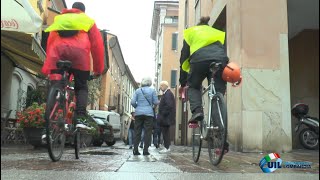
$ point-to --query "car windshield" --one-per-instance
(100, 119)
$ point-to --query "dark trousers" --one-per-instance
(165, 130)
(80, 89)
(146, 122)
(156, 136)
(198, 72)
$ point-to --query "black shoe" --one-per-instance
(141, 146)
(197, 115)
(146, 153)
(157, 146)
(136, 153)
(130, 147)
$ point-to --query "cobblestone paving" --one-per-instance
(111, 159)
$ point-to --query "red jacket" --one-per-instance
(75, 49)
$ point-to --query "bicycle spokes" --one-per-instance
(218, 133)
(216, 143)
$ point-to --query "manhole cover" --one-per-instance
(99, 153)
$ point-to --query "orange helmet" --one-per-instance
(232, 74)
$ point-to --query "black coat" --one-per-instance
(167, 109)
(213, 52)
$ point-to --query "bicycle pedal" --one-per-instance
(193, 125)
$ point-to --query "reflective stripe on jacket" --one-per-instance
(198, 37)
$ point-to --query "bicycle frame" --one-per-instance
(67, 88)
(211, 132)
(211, 93)
(60, 120)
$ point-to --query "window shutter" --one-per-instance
(173, 78)
(174, 41)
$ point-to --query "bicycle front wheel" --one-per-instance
(196, 142)
(218, 132)
(54, 116)
(77, 143)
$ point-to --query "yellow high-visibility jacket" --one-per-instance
(198, 37)
(71, 21)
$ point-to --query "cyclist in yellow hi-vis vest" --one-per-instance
(202, 45)
(74, 36)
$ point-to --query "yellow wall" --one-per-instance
(111, 82)
(170, 57)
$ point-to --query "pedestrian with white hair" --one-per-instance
(167, 114)
(144, 101)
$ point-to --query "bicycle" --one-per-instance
(211, 129)
(58, 122)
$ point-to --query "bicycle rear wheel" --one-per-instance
(54, 116)
(218, 134)
(196, 141)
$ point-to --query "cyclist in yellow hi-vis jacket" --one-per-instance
(202, 45)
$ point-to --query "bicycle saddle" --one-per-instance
(64, 65)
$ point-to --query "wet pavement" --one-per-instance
(117, 162)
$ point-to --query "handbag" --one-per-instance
(154, 112)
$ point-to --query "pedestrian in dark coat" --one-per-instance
(167, 114)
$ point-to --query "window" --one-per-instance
(173, 82)
(175, 19)
(52, 5)
(174, 40)
(171, 19)
(167, 20)
(57, 5)
(29, 96)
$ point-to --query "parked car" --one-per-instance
(112, 117)
(125, 127)
(105, 132)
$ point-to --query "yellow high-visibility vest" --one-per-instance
(71, 21)
(198, 37)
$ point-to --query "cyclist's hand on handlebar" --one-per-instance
(181, 90)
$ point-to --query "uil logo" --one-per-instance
(270, 162)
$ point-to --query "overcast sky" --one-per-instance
(131, 22)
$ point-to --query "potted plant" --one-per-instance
(32, 121)
(93, 131)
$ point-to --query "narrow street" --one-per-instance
(117, 162)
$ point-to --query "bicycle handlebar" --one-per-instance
(182, 92)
